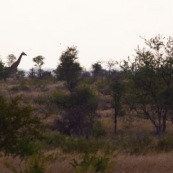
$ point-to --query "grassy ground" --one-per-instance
(135, 148)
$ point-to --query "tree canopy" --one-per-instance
(69, 69)
(151, 81)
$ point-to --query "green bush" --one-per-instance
(19, 128)
(35, 164)
(165, 144)
(73, 144)
(20, 88)
(97, 130)
(83, 145)
(53, 140)
(134, 144)
(59, 97)
(79, 111)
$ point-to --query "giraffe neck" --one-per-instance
(15, 64)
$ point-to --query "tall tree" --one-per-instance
(117, 92)
(110, 65)
(97, 69)
(39, 61)
(11, 59)
(151, 81)
(69, 69)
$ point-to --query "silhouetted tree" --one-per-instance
(117, 92)
(69, 69)
(110, 65)
(97, 69)
(39, 61)
(11, 59)
(32, 73)
(3, 72)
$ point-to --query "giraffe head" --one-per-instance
(23, 53)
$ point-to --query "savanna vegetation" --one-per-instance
(103, 120)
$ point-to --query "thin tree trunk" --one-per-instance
(115, 121)
(164, 122)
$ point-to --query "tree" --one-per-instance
(19, 128)
(110, 65)
(38, 63)
(150, 80)
(69, 70)
(32, 73)
(3, 72)
(11, 59)
(97, 69)
(117, 92)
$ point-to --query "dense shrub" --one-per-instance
(134, 144)
(97, 130)
(165, 144)
(79, 111)
(19, 128)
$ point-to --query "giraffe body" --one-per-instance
(12, 70)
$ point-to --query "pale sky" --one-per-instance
(101, 29)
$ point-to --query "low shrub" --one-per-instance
(34, 164)
(165, 144)
(41, 100)
(97, 130)
(135, 144)
(20, 88)
(73, 144)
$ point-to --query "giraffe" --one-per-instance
(12, 70)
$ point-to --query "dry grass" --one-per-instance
(160, 163)
(119, 163)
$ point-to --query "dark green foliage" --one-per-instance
(69, 70)
(117, 92)
(97, 130)
(150, 81)
(79, 111)
(60, 98)
(21, 87)
(35, 164)
(97, 69)
(47, 75)
(3, 71)
(165, 144)
(73, 144)
(136, 144)
(19, 128)
(83, 145)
